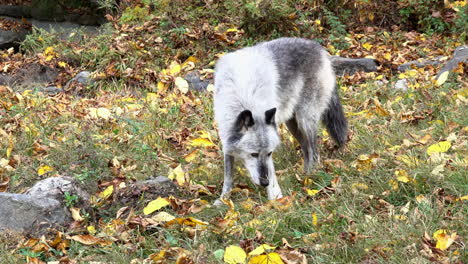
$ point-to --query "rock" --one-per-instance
(14, 35)
(51, 90)
(32, 73)
(83, 77)
(15, 11)
(147, 190)
(195, 82)
(420, 63)
(26, 213)
(401, 85)
(459, 56)
(56, 187)
(350, 66)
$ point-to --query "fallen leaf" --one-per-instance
(271, 258)
(261, 249)
(234, 254)
(90, 240)
(314, 219)
(443, 239)
(402, 176)
(155, 205)
(202, 142)
(107, 192)
(178, 174)
(76, 214)
(440, 147)
(44, 169)
(181, 85)
(442, 78)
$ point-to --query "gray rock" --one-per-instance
(12, 38)
(420, 63)
(26, 213)
(459, 56)
(350, 66)
(56, 187)
(32, 73)
(401, 85)
(51, 90)
(15, 11)
(83, 77)
(195, 82)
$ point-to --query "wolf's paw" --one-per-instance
(218, 203)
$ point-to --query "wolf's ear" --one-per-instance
(270, 116)
(244, 120)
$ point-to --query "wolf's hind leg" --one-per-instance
(228, 182)
(307, 126)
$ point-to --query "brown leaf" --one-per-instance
(90, 240)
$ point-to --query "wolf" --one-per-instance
(257, 88)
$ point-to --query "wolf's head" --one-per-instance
(253, 140)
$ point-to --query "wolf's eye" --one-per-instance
(255, 155)
(269, 154)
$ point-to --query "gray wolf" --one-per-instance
(287, 80)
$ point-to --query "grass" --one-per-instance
(365, 218)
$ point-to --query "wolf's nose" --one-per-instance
(264, 182)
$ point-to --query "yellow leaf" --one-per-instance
(155, 205)
(232, 30)
(91, 229)
(443, 239)
(312, 192)
(107, 192)
(367, 46)
(49, 58)
(442, 78)
(44, 169)
(318, 22)
(188, 221)
(174, 68)
(62, 64)
(271, 258)
(463, 198)
(162, 87)
(100, 112)
(163, 217)
(260, 249)
(234, 254)
(202, 142)
(178, 174)
(440, 147)
(191, 156)
(402, 176)
(314, 219)
(182, 85)
(75, 212)
(49, 51)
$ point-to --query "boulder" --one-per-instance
(32, 73)
(12, 33)
(195, 82)
(56, 187)
(460, 55)
(26, 213)
(350, 66)
(420, 63)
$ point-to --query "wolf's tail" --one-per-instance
(335, 120)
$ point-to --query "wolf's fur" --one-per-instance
(287, 80)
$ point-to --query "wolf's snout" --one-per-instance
(264, 182)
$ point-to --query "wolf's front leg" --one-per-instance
(273, 189)
(227, 185)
